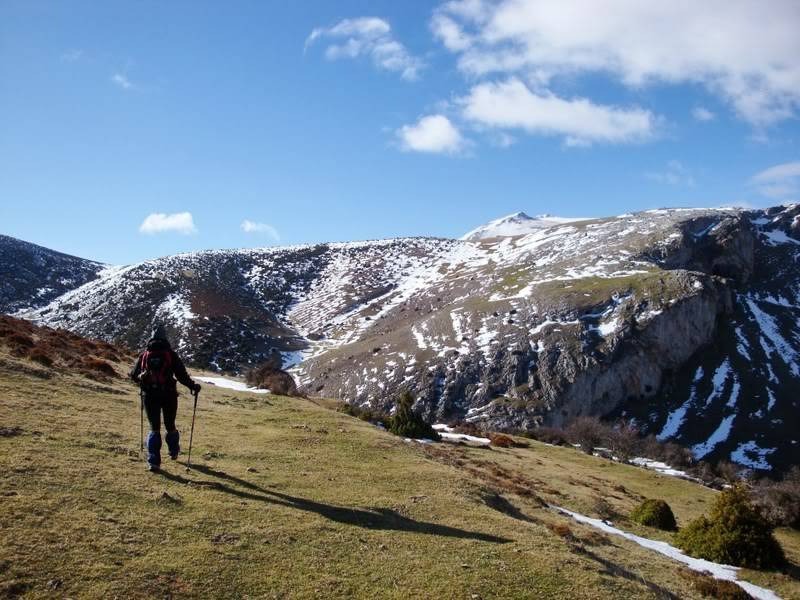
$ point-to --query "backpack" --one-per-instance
(157, 370)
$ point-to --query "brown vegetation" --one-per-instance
(502, 440)
(779, 501)
(61, 349)
(714, 588)
(269, 377)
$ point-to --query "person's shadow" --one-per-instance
(372, 518)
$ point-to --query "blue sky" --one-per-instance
(130, 130)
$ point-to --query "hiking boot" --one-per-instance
(173, 444)
(153, 468)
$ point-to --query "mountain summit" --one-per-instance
(515, 224)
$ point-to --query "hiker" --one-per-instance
(155, 372)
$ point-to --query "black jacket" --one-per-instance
(178, 368)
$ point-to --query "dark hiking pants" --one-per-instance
(154, 406)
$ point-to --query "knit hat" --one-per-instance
(159, 333)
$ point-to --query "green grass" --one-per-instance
(289, 499)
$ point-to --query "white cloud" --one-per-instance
(674, 174)
(781, 182)
(450, 33)
(512, 105)
(253, 227)
(745, 51)
(371, 37)
(780, 172)
(701, 113)
(122, 81)
(433, 134)
(161, 223)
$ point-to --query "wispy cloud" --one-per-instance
(122, 81)
(433, 134)
(253, 227)
(700, 113)
(512, 104)
(182, 223)
(73, 55)
(716, 43)
(674, 174)
(370, 37)
(781, 182)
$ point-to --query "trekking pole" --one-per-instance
(191, 433)
(141, 422)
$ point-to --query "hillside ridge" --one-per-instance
(656, 317)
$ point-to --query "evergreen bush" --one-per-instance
(735, 533)
(655, 513)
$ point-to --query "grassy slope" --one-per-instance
(333, 508)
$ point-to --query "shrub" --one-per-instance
(624, 442)
(502, 440)
(729, 471)
(562, 530)
(406, 423)
(467, 428)
(779, 501)
(365, 414)
(277, 381)
(98, 366)
(655, 513)
(714, 588)
(603, 508)
(42, 357)
(588, 432)
(20, 340)
(735, 533)
(549, 435)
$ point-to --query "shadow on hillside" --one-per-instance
(497, 502)
(373, 518)
(615, 570)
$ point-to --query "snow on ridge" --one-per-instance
(517, 224)
(776, 237)
(775, 342)
(719, 435)
(742, 455)
(676, 418)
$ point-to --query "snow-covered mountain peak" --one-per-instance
(518, 223)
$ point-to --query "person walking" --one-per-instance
(156, 371)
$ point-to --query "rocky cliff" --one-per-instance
(682, 320)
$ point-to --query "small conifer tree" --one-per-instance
(406, 423)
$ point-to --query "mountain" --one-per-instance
(517, 224)
(32, 276)
(683, 321)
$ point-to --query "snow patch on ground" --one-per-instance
(718, 571)
(448, 433)
(659, 467)
(231, 384)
